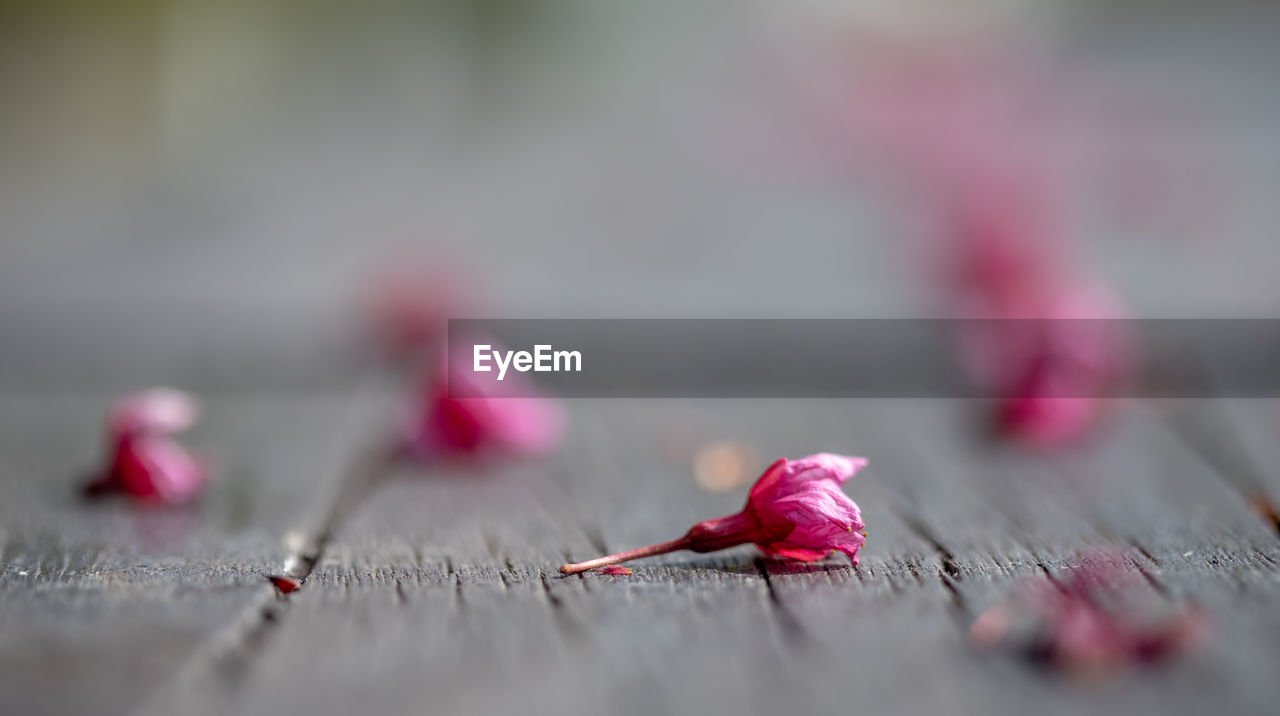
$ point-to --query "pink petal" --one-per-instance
(412, 302)
(799, 554)
(1093, 617)
(821, 466)
(821, 504)
(803, 513)
(156, 469)
(482, 414)
(769, 480)
(827, 466)
(284, 585)
(1055, 364)
(159, 410)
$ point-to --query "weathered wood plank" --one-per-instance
(452, 584)
(102, 603)
(452, 580)
(443, 590)
(1137, 491)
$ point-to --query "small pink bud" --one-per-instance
(146, 463)
(795, 510)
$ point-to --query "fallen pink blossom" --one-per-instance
(796, 510)
(1054, 360)
(1091, 619)
(480, 415)
(146, 463)
(411, 305)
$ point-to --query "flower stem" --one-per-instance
(650, 551)
(706, 536)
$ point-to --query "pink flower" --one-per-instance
(795, 510)
(801, 511)
(481, 415)
(1054, 359)
(411, 305)
(1003, 236)
(1091, 619)
(146, 463)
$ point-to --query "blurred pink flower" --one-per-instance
(411, 305)
(795, 510)
(146, 463)
(1262, 506)
(1054, 358)
(1091, 619)
(480, 415)
(970, 129)
(1004, 235)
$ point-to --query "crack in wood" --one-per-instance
(451, 571)
(229, 653)
(232, 655)
(369, 469)
(1151, 578)
(572, 628)
(792, 629)
(949, 573)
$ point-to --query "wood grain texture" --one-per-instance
(102, 603)
(442, 593)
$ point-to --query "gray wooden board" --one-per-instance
(445, 592)
(102, 603)
(1138, 490)
(442, 593)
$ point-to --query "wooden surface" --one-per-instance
(440, 592)
(437, 592)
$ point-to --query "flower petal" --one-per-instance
(162, 411)
(768, 481)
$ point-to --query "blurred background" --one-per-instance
(201, 192)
